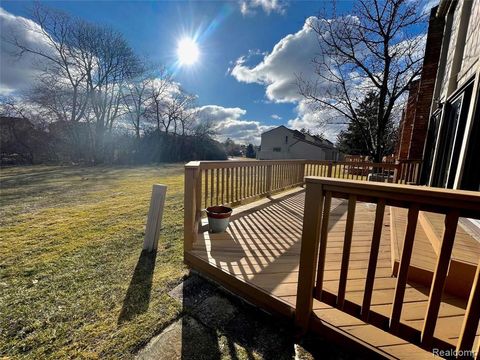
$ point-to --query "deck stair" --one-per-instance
(428, 239)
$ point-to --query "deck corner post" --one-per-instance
(190, 218)
(308, 255)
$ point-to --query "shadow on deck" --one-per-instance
(258, 259)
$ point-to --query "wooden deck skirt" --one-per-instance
(259, 258)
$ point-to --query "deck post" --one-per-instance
(269, 179)
(395, 172)
(190, 204)
(329, 171)
(308, 254)
(472, 315)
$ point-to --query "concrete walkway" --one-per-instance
(216, 324)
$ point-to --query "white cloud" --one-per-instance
(428, 5)
(276, 117)
(313, 119)
(18, 73)
(278, 70)
(248, 7)
(230, 123)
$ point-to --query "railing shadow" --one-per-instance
(137, 298)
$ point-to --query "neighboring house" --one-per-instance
(284, 143)
(441, 122)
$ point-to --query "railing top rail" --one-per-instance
(213, 164)
(244, 163)
(468, 202)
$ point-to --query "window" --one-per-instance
(277, 149)
(286, 139)
(451, 138)
(430, 146)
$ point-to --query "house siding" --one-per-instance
(280, 143)
(453, 77)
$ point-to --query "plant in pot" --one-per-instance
(218, 218)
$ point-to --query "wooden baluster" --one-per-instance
(323, 245)
(269, 179)
(403, 267)
(308, 254)
(232, 185)
(372, 262)
(249, 174)
(281, 169)
(347, 244)
(218, 186)
(223, 186)
(237, 180)
(227, 190)
(241, 190)
(439, 277)
(252, 181)
(206, 187)
(472, 317)
(212, 184)
(247, 182)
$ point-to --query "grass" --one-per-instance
(73, 283)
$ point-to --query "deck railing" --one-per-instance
(453, 204)
(210, 183)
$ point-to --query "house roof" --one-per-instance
(310, 139)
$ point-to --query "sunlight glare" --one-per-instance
(187, 51)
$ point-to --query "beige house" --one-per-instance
(284, 143)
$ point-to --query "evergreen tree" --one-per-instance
(357, 138)
(250, 153)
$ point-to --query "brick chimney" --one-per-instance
(413, 128)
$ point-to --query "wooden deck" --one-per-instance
(258, 258)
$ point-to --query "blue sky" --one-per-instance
(227, 37)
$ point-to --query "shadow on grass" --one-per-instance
(137, 298)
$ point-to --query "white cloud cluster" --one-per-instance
(248, 7)
(230, 123)
(18, 73)
(278, 71)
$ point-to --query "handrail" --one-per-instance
(454, 204)
(230, 182)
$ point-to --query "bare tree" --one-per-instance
(57, 55)
(372, 50)
(159, 89)
(86, 63)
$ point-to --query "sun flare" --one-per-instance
(187, 51)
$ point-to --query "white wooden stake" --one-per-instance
(154, 220)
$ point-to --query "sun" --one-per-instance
(187, 51)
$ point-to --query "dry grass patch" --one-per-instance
(70, 241)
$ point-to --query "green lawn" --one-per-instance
(70, 243)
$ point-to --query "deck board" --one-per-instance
(261, 248)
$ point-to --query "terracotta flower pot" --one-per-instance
(218, 218)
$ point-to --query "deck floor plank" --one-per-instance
(262, 247)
